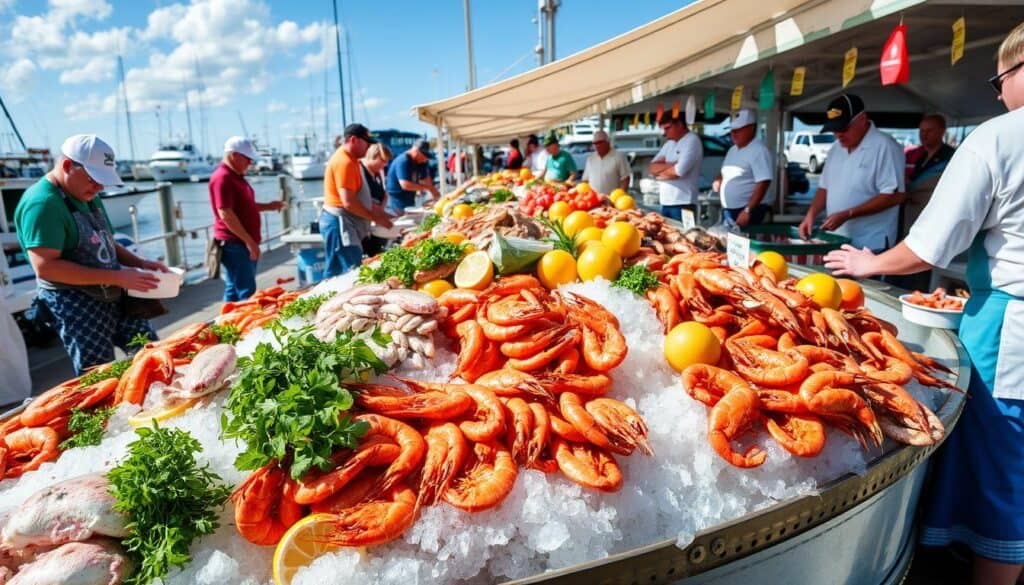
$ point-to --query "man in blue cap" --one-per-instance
(409, 174)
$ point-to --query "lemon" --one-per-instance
(587, 244)
(559, 210)
(598, 260)
(691, 343)
(622, 237)
(556, 267)
(619, 192)
(775, 262)
(462, 211)
(625, 202)
(475, 271)
(306, 540)
(436, 288)
(439, 207)
(576, 222)
(455, 237)
(145, 418)
(822, 289)
(584, 188)
(525, 174)
(588, 234)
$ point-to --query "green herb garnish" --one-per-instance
(637, 278)
(87, 427)
(403, 263)
(226, 333)
(115, 370)
(502, 195)
(303, 306)
(429, 222)
(291, 401)
(168, 499)
(560, 239)
(139, 340)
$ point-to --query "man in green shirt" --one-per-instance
(81, 272)
(560, 165)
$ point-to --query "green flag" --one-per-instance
(709, 106)
(767, 97)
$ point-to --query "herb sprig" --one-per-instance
(403, 263)
(168, 498)
(560, 239)
(502, 195)
(303, 306)
(87, 427)
(291, 401)
(115, 370)
(429, 223)
(637, 278)
(226, 333)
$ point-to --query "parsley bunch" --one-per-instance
(116, 370)
(429, 223)
(168, 499)
(87, 427)
(637, 278)
(303, 306)
(403, 262)
(291, 402)
(226, 333)
(502, 195)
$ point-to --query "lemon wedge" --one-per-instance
(145, 418)
(306, 540)
(475, 271)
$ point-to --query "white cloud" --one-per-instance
(92, 106)
(371, 102)
(18, 79)
(276, 106)
(68, 9)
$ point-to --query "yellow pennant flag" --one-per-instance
(647, 118)
(675, 108)
(737, 98)
(636, 119)
(796, 87)
(959, 36)
(849, 66)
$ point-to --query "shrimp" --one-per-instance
(585, 311)
(588, 465)
(490, 360)
(802, 435)
(564, 429)
(895, 371)
(848, 336)
(571, 407)
(690, 294)
(826, 394)
(666, 306)
(768, 367)
(900, 410)
(567, 339)
(512, 311)
(460, 303)
(375, 522)
(413, 447)
(588, 385)
(264, 508)
(520, 427)
(316, 487)
(430, 405)
(447, 451)
(605, 350)
(540, 435)
(486, 480)
(709, 384)
(28, 448)
(148, 366)
(359, 490)
(488, 421)
(471, 340)
(529, 345)
(59, 401)
(728, 419)
(886, 343)
(621, 424)
(501, 333)
(508, 285)
(568, 361)
(508, 383)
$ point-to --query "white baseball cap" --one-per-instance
(242, 146)
(600, 135)
(742, 118)
(94, 155)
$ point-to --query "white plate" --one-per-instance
(168, 287)
(938, 318)
(391, 233)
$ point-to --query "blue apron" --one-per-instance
(977, 486)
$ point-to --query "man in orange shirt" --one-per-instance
(348, 208)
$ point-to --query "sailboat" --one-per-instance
(307, 162)
(180, 161)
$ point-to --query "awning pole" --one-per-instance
(441, 161)
(772, 131)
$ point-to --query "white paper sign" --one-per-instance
(737, 248)
(688, 220)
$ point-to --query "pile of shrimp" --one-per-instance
(791, 366)
(33, 437)
(938, 299)
(463, 443)
(258, 310)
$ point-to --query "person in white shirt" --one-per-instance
(606, 169)
(746, 173)
(536, 157)
(677, 168)
(862, 185)
(978, 206)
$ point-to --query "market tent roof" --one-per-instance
(710, 44)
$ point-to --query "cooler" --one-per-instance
(310, 265)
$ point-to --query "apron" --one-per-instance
(976, 496)
(95, 249)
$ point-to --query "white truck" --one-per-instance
(809, 149)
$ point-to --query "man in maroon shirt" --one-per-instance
(236, 218)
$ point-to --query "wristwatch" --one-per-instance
(746, 210)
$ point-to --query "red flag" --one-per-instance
(675, 108)
(659, 113)
(894, 65)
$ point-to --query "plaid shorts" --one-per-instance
(90, 328)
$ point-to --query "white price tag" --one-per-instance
(737, 248)
(688, 220)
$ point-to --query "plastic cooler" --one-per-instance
(793, 249)
(310, 265)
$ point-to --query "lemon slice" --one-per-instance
(475, 271)
(145, 418)
(306, 540)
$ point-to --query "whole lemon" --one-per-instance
(436, 288)
(691, 343)
(625, 202)
(588, 234)
(559, 210)
(622, 237)
(775, 262)
(822, 289)
(556, 267)
(614, 195)
(462, 211)
(576, 221)
(598, 260)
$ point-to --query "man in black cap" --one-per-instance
(862, 185)
(409, 174)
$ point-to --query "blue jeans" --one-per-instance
(757, 214)
(676, 211)
(239, 271)
(397, 202)
(338, 258)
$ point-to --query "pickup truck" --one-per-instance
(809, 149)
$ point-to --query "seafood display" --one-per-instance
(479, 228)
(937, 299)
(259, 309)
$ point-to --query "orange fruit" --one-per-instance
(576, 221)
(625, 202)
(462, 211)
(436, 288)
(559, 210)
(775, 262)
(598, 260)
(852, 293)
(622, 237)
(455, 237)
(691, 343)
(822, 289)
(556, 267)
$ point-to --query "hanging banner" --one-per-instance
(709, 106)
(894, 65)
(658, 114)
(691, 110)
(796, 86)
(959, 36)
(675, 108)
(636, 119)
(766, 98)
(849, 66)
(737, 98)
(647, 118)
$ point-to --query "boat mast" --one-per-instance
(341, 78)
(188, 119)
(202, 112)
(348, 63)
(127, 110)
(13, 126)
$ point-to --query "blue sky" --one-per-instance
(264, 62)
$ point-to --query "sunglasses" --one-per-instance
(996, 81)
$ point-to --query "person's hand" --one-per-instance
(277, 205)
(849, 261)
(806, 227)
(382, 219)
(743, 219)
(254, 251)
(835, 220)
(131, 279)
(153, 265)
(716, 186)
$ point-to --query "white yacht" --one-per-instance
(306, 162)
(179, 162)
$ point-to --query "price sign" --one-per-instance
(796, 87)
(849, 66)
(688, 220)
(959, 36)
(737, 249)
(737, 97)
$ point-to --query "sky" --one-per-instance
(269, 66)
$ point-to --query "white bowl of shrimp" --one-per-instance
(920, 308)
